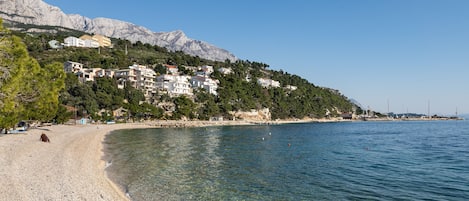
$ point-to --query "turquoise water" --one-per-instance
(315, 161)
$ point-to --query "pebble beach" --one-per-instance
(70, 167)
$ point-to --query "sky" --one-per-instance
(389, 55)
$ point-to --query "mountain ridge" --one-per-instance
(40, 13)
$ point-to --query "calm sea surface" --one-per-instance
(315, 161)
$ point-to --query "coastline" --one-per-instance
(72, 165)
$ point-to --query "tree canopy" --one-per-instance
(27, 90)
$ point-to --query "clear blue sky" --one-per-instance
(407, 53)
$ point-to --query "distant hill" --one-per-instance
(38, 12)
(293, 98)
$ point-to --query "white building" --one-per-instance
(126, 76)
(264, 82)
(138, 76)
(91, 43)
(225, 71)
(73, 42)
(78, 42)
(291, 87)
(208, 70)
(55, 44)
(106, 73)
(88, 74)
(145, 79)
(72, 67)
(206, 83)
(174, 85)
(171, 69)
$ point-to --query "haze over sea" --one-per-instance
(401, 160)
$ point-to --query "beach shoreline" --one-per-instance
(72, 166)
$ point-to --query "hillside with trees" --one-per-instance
(98, 99)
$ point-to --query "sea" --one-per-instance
(390, 160)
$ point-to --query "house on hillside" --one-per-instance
(126, 76)
(174, 85)
(103, 41)
(89, 41)
(91, 44)
(83, 41)
(55, 44)
(225, 71)
(139, 77)
(106, 73)
(208, 70)
(291, 87)
(264, 82)
(99, 40)
(204, 71)
(171, 69)
(72, 67)
(88, 74)
(73, 42)
(206, 83)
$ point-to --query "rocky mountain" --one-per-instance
(38, 12)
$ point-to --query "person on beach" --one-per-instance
(44, 138)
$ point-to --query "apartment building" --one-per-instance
(73, 42)
(206, 83)
(139, 77)
(89, 41)
(102, 40)
(86, 40)
(174, 85)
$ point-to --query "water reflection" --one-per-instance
(168, 164)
